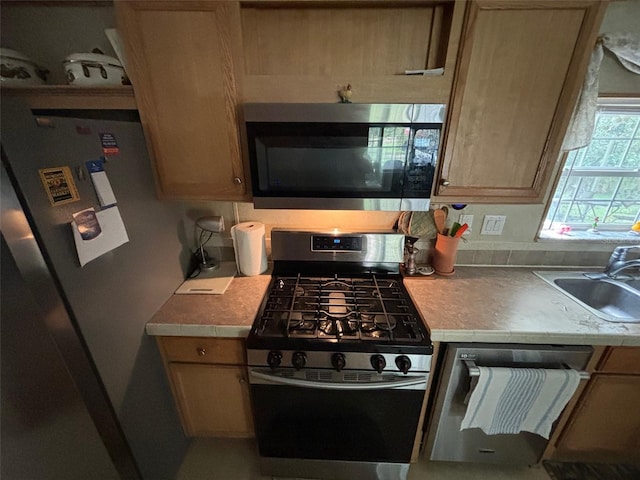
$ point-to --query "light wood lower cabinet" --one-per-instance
(208, 378)
(605, 426)
(213, 399)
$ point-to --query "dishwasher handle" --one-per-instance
(474, 371)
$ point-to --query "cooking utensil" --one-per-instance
(439, 217)
(461, 230)
(454, 229)
(404, 222)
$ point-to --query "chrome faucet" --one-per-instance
(618, 262)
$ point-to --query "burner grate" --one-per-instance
(368, 308)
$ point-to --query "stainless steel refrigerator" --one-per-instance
(83, 390)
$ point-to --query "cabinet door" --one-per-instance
(307, 51)
(518, 77)
(213, 400)
(181, 58)
(606, 424)
(621, 360)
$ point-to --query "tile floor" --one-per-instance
(213, 459)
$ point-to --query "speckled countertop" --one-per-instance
(477, 304)
(510, 305)
(228, 315)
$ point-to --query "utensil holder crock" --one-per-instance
(444, 255)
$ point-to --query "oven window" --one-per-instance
(372, 426)
(352, 160)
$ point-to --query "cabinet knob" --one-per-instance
(201, 351)
(444, 183)
(237, 180)
(242, 380)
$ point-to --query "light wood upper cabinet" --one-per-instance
(518, 76)
(182, 59)
(306, 51)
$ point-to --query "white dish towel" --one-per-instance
(511, 400)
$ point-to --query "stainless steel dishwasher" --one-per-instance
(447, 442)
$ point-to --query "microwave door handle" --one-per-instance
(296, 382)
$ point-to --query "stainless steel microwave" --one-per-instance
(343, 156)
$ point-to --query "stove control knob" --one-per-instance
(378, 363)
(274, 358)
(298, 360)
(403, 363)
(338, 361)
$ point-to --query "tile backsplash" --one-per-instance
(533, 258)
(510, 249)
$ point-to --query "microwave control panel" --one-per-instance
(340, 243)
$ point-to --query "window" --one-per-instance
(600, 183)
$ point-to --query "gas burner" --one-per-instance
(337, 328)
(385, 322)
(337, 306)
(377, 334)
(292, 320)
(371, 322)
(337, 283)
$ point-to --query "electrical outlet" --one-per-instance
(468, 219)
(493, 224)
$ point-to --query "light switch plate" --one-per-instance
(493, 224)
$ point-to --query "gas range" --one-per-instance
(336, 346)
(337, 301)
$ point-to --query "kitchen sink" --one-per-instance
(633, 283)
(610, 300)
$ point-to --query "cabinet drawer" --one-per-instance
(621, 360)
(228, 351)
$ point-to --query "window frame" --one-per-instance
(612, 104)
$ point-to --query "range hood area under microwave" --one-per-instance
(343, 156)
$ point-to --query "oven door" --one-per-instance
(347, 416)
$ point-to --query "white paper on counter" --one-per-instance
(113, 235)
(214, 282)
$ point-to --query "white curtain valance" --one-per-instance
(626, 47)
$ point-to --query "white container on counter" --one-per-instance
(19, 70)
(94, 70)
(250, 247)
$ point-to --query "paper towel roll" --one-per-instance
(250, 247)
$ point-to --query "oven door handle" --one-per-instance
(412, 382)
